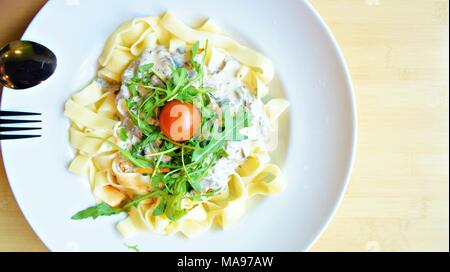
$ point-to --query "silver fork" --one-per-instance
(17, 121)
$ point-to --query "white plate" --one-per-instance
(316, 146)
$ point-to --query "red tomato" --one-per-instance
(179, 121)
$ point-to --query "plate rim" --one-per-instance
(354, 122)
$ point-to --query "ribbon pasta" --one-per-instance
(93, 116)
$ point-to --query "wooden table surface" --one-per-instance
(398, 198)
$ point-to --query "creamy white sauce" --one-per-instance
(222, 77)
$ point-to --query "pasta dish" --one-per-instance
(174, 129)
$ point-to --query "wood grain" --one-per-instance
(398, 198)
(397, 52)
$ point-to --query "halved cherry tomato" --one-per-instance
(179, 121)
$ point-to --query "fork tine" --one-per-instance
(13, 137)
(4, 129)
(8, 121)
(17, 113)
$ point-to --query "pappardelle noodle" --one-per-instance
(173, 131)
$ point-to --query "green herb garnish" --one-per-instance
(187, 163)
(123, 134)
(93, 212)
(133, 248)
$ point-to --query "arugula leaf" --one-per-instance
(231, 126)
(101, 209)
(145, 127)
(135, 201)
(136, 160)
(180, 76)
(193, 182)
(161, 207)
(123, 134)
(180, 186)
(145, 69)
(149, 106)
(133, 88)
(139, 147)
(173, 209)
(156, 180)
(195, 185)
(134, 248)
